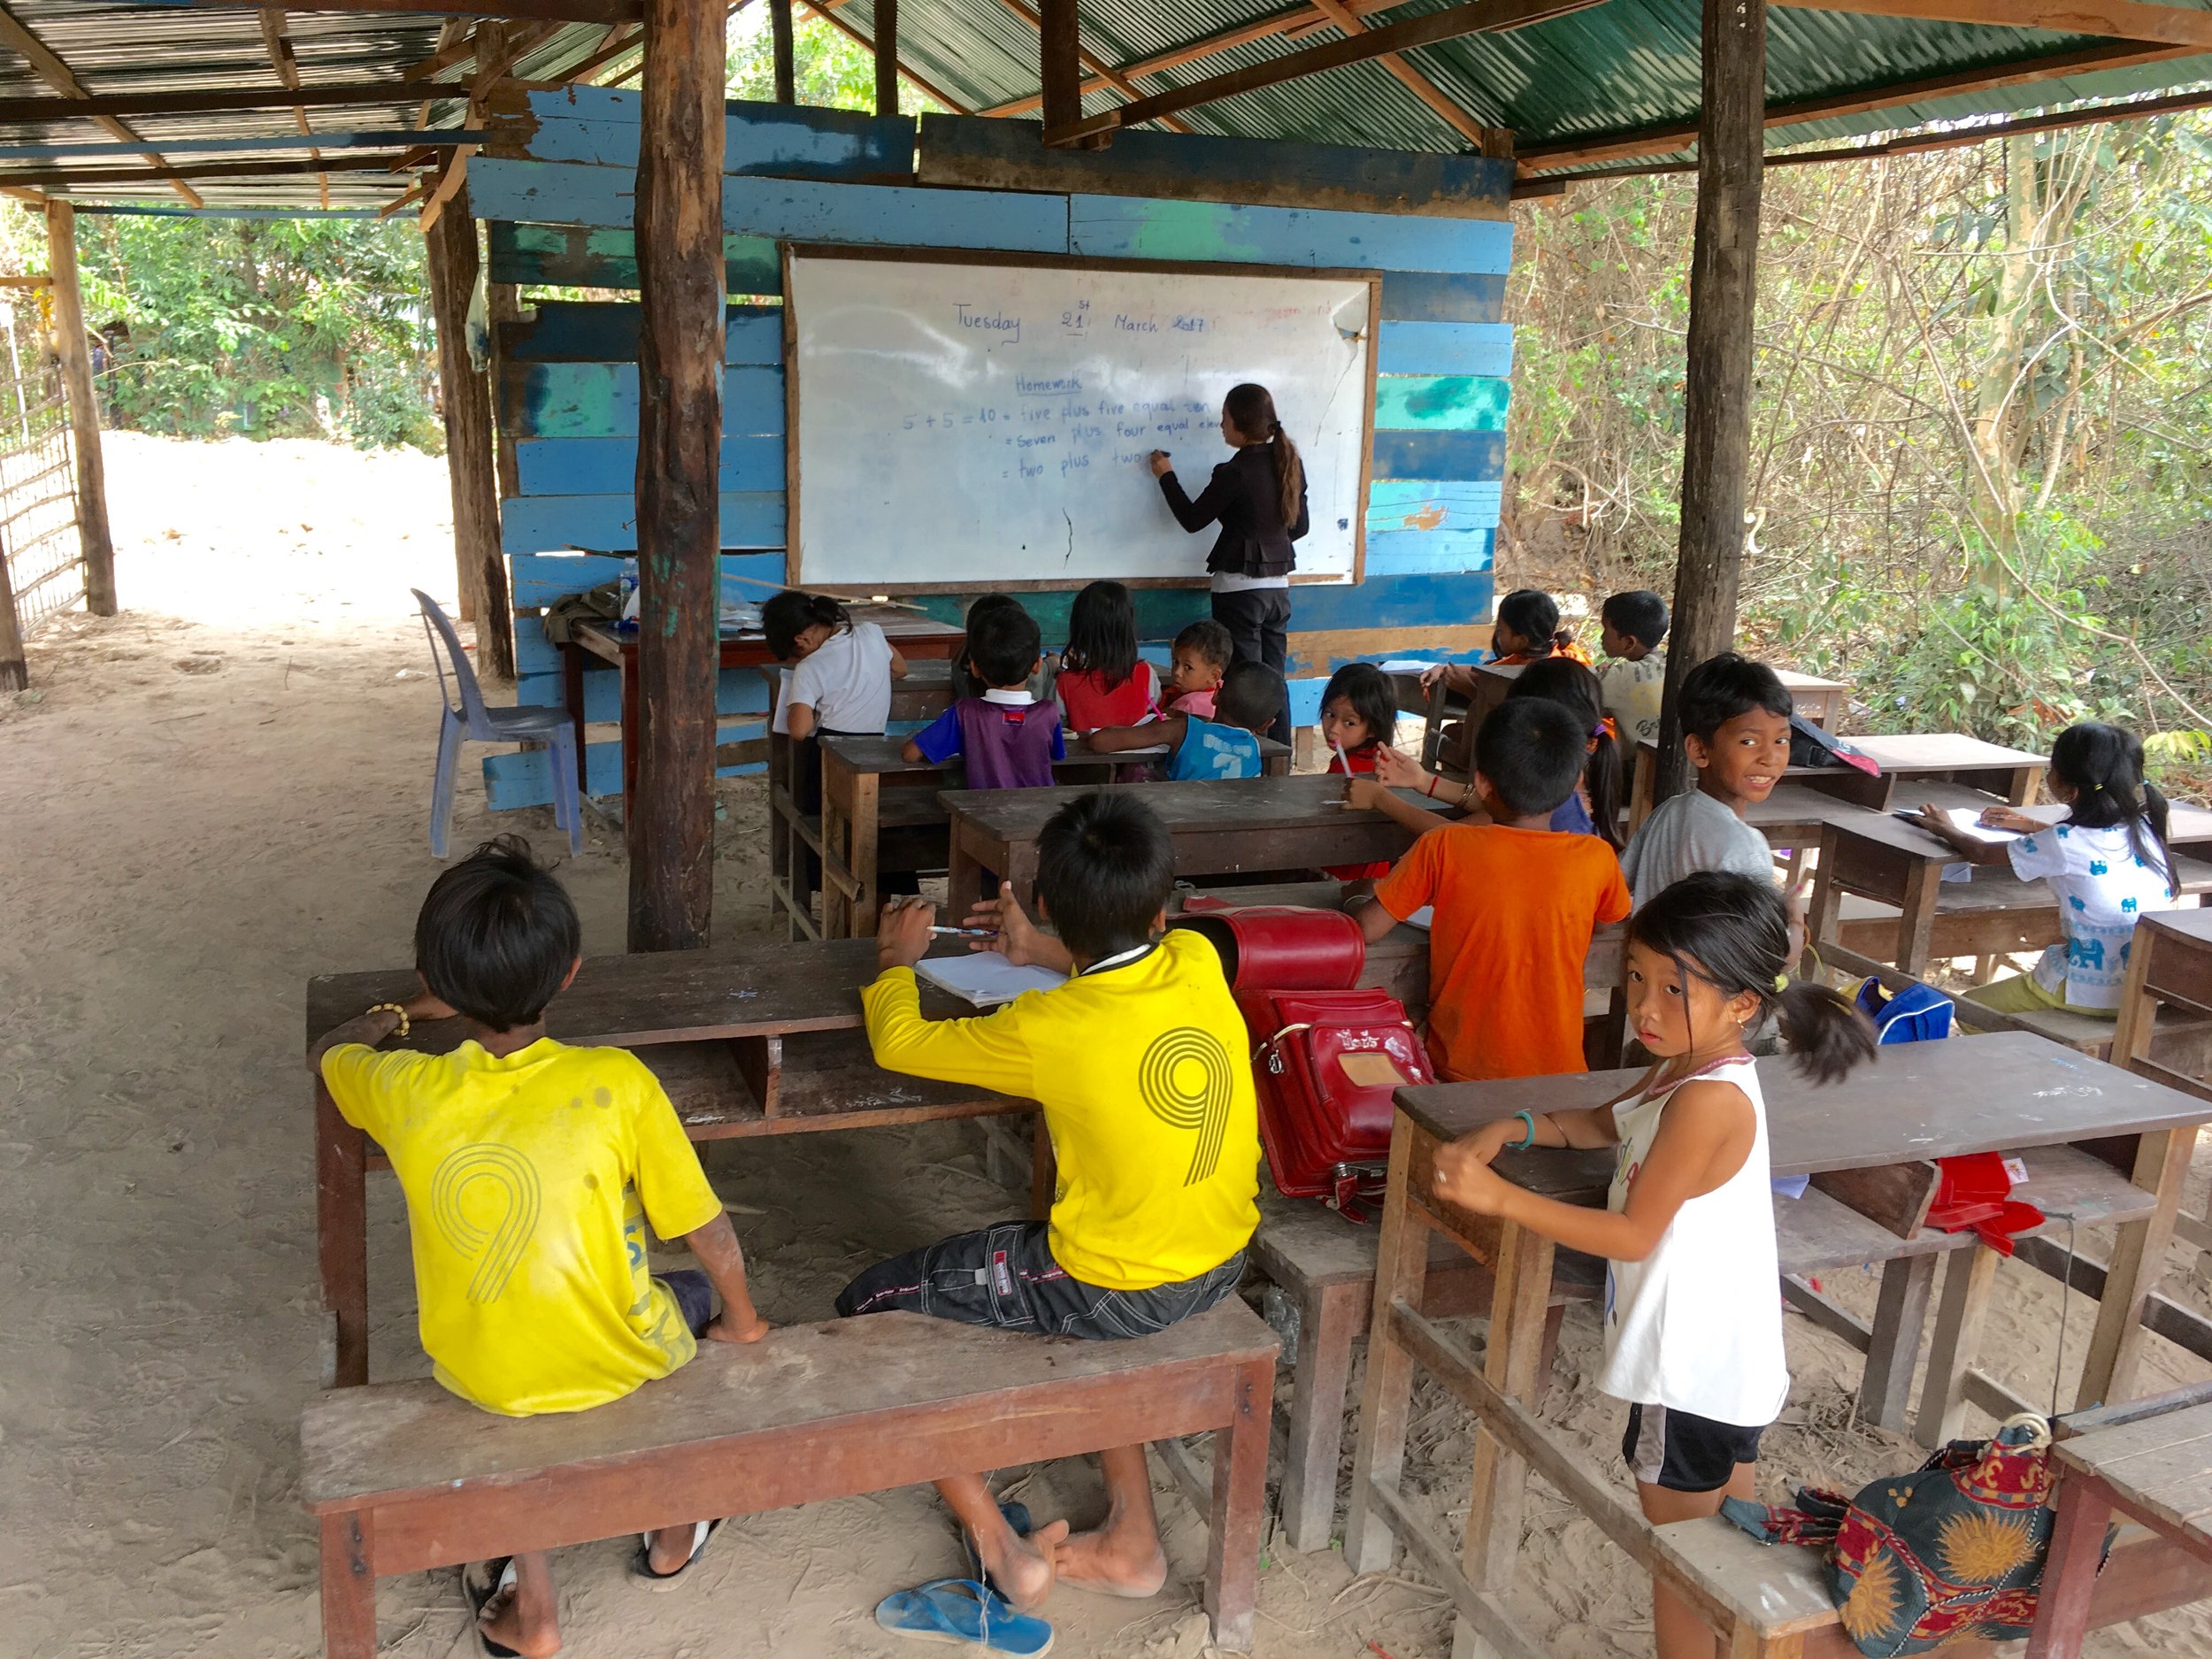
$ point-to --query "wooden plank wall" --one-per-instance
(557, 186)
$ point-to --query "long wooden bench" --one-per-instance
(404, 1477)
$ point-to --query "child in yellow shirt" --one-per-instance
(1139, 1063)
(530, 1171)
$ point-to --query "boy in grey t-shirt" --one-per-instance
(1736, 728)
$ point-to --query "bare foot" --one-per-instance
(1107, 1563)
(670, 1549)
(504, 1624)
(1022, 1567)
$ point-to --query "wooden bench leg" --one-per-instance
(1401, 1264)
(2139, 1262)
(1967, 1280)
(2070, 1572)
(1901, 1313)
(1232, 1554)
(349, 1589)
(1328, 1319)
(341, 1240)
(1044, 1172)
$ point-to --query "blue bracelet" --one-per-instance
(1528, 1140)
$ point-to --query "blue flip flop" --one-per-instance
(1017, 1521)
(963, 1613)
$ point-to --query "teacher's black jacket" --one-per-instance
(1242, 496)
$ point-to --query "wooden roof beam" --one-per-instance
(1479, 17)
(2121, 19)
(519, 11)
(361, 94)
(858, 39)
(1485, 139)
(57, 74)
(1105, 72)
(286, 63)
(64, 180)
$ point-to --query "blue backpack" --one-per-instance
(1915, 1014)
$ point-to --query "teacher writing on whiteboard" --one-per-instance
(1258, 497)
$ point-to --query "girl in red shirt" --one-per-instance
(1359, 715)
(1102, 681)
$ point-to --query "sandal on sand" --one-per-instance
(501, 1574)
(1017, 1521)
(962, 1613)
(642, 1563)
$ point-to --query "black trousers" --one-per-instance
(1257, 619)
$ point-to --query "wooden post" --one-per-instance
(1059, 65)
(779, 38)
(503, 307)
(887, 57)
(15, 671)
(450, 255)
(1717, 405)
(678, 228)
(93, 537)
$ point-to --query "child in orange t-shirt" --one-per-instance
(1515, 901)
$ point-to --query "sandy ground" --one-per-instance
(223, 791)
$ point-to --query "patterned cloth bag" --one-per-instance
(1953, 1552)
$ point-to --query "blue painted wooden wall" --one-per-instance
(560, 212)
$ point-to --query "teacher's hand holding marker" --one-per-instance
(1159, 463)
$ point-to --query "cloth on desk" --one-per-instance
(603, 603)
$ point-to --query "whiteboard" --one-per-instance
(978, 425)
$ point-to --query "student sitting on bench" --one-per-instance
(1227, 746)
(530, 1172)
(1006, 739)
(1736, 729)
(1139, 1062)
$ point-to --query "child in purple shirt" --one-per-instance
(1007, 740)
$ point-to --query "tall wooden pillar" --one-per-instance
(449, 250)
(1059, 64)
(779, 45)
(1716, 406)
(679, 229)
(93, 536)
(887, 57)
(503, 308)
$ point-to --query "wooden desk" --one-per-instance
(747, 1039)
(2010, 775)
(912, 635)
(1224, 828)
(2000, 1092)
(856, 772)
(1822, 701)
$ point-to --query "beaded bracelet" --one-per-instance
(405, 1024)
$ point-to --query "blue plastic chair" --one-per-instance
(476, 721)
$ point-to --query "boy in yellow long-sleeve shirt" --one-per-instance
(1139, 1062)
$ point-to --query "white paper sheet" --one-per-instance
(781, 725)
(985, 978)
(1422, 919)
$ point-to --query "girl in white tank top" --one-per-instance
(1693, 1304)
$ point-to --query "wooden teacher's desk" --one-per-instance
(2006, 1092)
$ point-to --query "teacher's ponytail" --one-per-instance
(1251, 410)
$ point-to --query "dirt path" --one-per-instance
(224, 791)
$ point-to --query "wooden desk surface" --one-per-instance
(900, 627)
(886, 755)
(2194, 875)
(1918, 753)
(2158, 1467)
(1917, 1100)
(1237, 803)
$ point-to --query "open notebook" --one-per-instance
(985, 978)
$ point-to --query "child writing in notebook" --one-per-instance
(1203, 654)
(1692, 1326)
(1359, 714)
(2107, 862)
(1102, 681)
(1199, 751)
(840, 687)
(1526, 631)
(1007, 740)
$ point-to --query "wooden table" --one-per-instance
(2004, 1093)
(747, 1039)
(1221, 828)
(913, 636)
(2010, 775)
(2141, 1463)
(854, 773)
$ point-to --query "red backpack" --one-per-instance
(1327, 1057)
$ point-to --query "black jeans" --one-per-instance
(1258, 618)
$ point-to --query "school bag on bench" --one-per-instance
(1326, 1057)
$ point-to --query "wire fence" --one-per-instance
(39, 552)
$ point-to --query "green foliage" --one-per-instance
(828, 67)
(277, 327)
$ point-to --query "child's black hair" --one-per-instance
(496, 935)
(1722, 688)
(1103, 634)
(2103, 764)
(1374, 700)
(1532, 749)
(1211, 641)
(1639, 613)
(1575, 687)
(1004, 644)
(1105, 868)
(1252, 694)
(1534, 615)
(1732, 930)
(787, 614)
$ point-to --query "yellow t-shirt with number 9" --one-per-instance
(529, 1180)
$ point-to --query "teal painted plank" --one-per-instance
(525, 778)
(1118, 227)
(1442, 296)
(1440, 455)
(1405, 552)
(790, 209)
(1439, 402)
(1484, 349)
(607, 524)
(737, 691)
(600, 400)
(593, 331)
(1162, 612)
(570, 256)
(789, 141)
(537, 580)
(598, 466)
(1433, 505)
